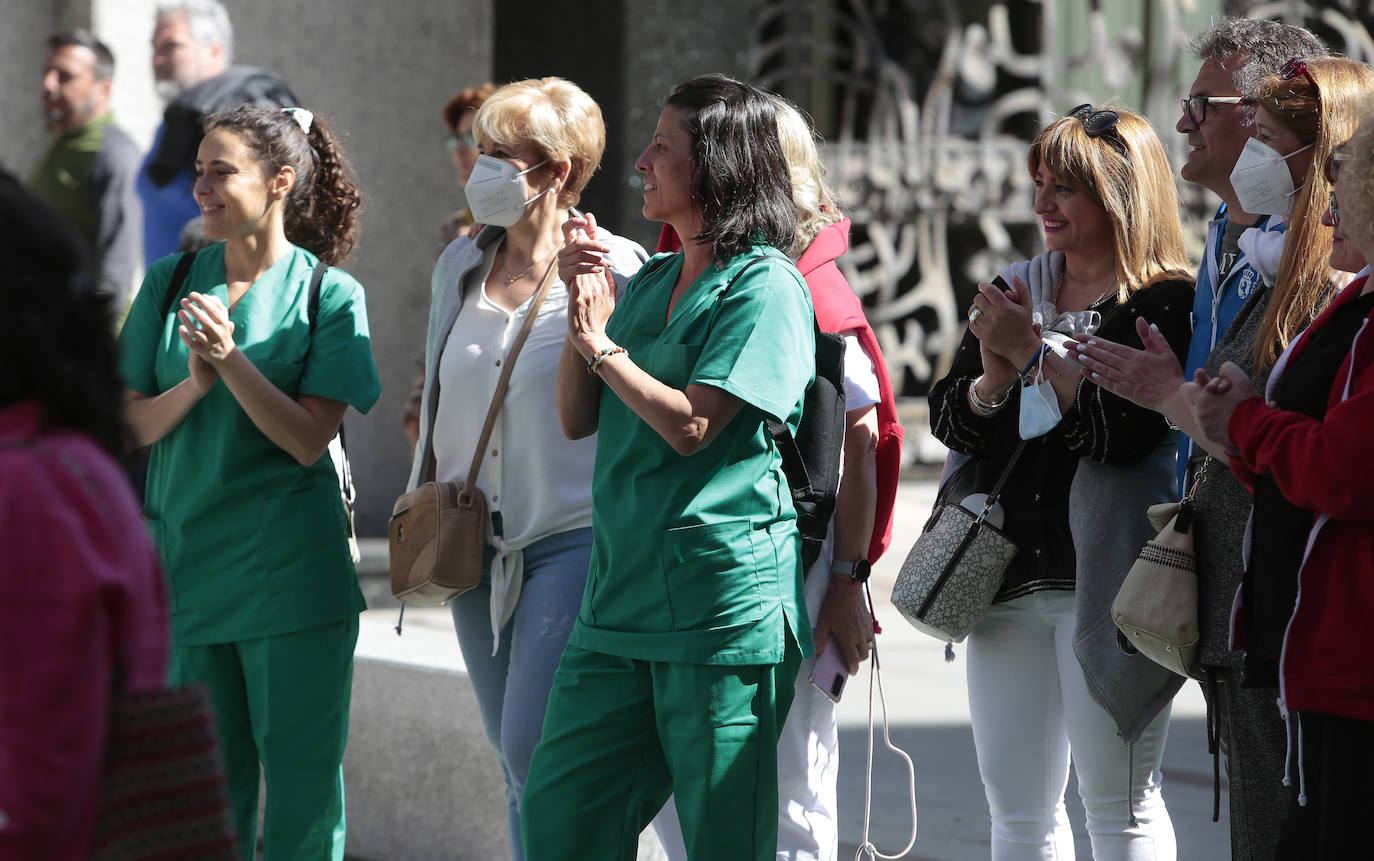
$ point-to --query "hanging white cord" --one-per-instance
(867, 849)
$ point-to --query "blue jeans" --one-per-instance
(512, 686)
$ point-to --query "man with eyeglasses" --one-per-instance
(1236, 54)
(193, 43)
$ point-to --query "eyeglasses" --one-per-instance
(464, 140)
(1331, 168)
(1335, 210)
(1099, 124)
(1196, 106)
(1298, 66)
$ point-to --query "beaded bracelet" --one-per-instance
(594, 363)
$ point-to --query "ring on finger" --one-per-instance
(974, 315)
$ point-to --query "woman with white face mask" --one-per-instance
(1047, 682)
(539, 141)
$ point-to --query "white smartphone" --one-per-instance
(830, 671)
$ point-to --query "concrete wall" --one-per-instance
(22, 53)
(380, 72)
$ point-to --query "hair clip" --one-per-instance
(302, 117)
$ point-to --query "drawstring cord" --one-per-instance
(1302, 768)
(1289, 718)
(867, 849)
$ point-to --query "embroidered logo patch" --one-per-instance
(1248, 279)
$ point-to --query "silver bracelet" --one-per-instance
(982, 407)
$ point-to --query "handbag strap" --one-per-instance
(499, 394)
(1001, 480)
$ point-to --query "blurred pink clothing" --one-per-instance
(80, 587)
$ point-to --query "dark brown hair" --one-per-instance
(321, 210)
(465, 100)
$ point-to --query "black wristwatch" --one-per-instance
(855, 572)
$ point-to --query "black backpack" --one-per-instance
(346, 489)
(811, 459)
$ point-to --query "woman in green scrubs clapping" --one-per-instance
(680, 667)
(239, 391)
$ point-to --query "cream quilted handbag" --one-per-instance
(955, 568)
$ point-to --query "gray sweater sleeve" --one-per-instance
(120, 214)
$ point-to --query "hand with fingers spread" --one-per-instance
(1145, 377)
(205, 327)
(591, 290)
(1001, 320)
(1213, 400)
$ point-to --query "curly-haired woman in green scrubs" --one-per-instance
(239, 393)
(679, 670)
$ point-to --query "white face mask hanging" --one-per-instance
(1261, 180)
(495, 193)
(1039, 404)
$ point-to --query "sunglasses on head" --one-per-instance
(1196, 106)
(1099, 124)
(1295, 67)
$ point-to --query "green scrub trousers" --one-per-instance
(283, 701)
(621, 735)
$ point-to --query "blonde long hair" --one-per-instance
(811, 194)
(1325, 116)
(1136, 188)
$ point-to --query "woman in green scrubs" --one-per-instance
(679, 669)
(239, 393)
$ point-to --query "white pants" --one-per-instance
(1031, 707)
(808, 762)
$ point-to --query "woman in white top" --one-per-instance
(539, 143)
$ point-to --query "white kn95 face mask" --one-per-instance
(495, 193)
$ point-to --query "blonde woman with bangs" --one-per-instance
(1047, 682)
(539, 142)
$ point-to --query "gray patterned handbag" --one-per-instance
(955, 568)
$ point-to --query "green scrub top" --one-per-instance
(253, 543)
(695, 559)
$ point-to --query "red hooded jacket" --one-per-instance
(838, 310)
(1326, 467)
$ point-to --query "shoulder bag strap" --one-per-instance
(1002, 479)
(500, 394)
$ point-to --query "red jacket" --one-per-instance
(838, 309)
(1327, 467)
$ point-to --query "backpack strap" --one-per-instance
(313, 302)
(179, 273)
(313, 313)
